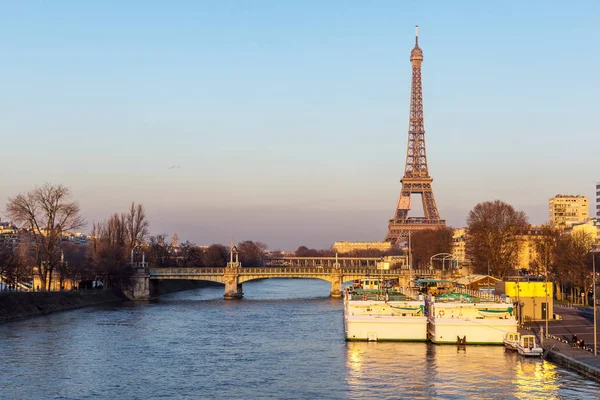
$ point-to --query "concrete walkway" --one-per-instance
(558, 348)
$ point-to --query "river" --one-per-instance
(284, 340)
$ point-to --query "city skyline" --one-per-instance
(297, 138)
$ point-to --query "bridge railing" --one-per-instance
(187, 271)
(292, 270)
(284, 270)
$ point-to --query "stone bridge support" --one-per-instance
(143, 288)
(336, 281)
(233, 289)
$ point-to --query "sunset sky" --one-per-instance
(286, 122)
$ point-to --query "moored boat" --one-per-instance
(511, 340)
(469, 320)
(384, 318)
(528, 346)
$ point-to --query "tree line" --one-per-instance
(495, 234)
(46, 214)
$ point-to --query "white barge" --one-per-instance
(469, 320)
(380, 320)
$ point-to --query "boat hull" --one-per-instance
(479, 331)
(386, 328)
(533, 352)
(384, 321)
(510, 346)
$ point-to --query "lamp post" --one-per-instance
(132, 249)
(594, 251)
(446, 256)
(489, 273)
(546, 290)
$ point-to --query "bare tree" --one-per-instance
(160, 251)
(216, 256)
(114, 239)
(137, 225)
(48, 211)
(190, 255)
(572, 261)
(251, 253)
(545, 243)
(492, 242)
(429, 242)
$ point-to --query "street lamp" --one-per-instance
(446, 256)
(546, 290)
(132, 249)
(594, 251)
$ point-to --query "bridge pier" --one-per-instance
(336, 281)
(233, 289)
(235, 293)
(143, 288)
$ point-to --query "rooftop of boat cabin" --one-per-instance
(425, 281)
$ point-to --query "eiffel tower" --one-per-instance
(416, 178)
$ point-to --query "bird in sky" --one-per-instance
(174, 166)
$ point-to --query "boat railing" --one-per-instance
(377, 297)
(482, 296)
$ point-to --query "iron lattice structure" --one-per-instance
(416, 178)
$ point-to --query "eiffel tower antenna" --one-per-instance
(417, 35)
(416, 178)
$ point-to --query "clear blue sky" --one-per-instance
(289, 119)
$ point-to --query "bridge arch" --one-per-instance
(257, 277)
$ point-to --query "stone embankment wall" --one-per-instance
(15, 306)
(22, 305)
(573, 364)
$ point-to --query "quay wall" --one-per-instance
(573, 364)
(15, 306)
(19, 305)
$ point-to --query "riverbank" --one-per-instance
(577, 360)
(19, 305)
(14, 306)
(558, 348)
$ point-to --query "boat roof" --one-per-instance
(470, 279)
(432, 281)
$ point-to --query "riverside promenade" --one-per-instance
(558, 348)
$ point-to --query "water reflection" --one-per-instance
(418, 370)
(535, 378)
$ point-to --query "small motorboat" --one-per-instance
(511, 340)
(528, 347)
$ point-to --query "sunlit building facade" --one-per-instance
(459, 245)
(348, 247)
(534, 298)
(566, 210)
(9, 235)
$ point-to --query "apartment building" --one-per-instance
(566, 210)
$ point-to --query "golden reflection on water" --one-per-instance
(420, 370)
(535, 373)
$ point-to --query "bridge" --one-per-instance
(146, 279)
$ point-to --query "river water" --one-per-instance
(284, 340)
